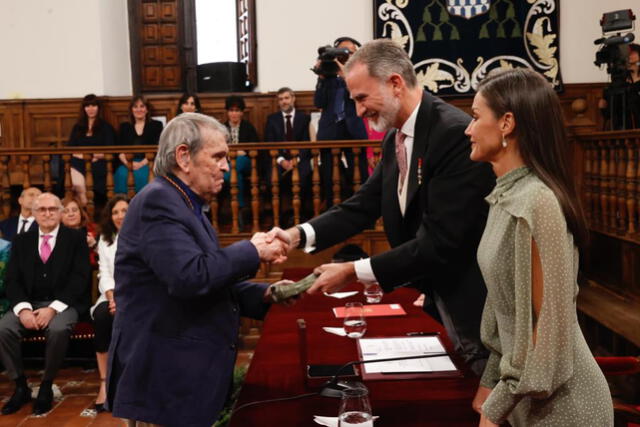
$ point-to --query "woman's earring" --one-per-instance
(504, 143)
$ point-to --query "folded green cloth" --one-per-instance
(281, 292)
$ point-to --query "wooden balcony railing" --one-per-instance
(27, 167)
(611, 182)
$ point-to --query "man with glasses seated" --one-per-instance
(46, 283)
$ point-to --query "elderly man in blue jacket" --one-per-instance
(179, 294)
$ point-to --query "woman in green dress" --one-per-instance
(540, 371)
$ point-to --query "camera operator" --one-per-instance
(632, 95)
(338, 120)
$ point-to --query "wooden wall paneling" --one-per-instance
(150, 12)
(151, 33)
(11, 124)
(154, 30)
(20, 130)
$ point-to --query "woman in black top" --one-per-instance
(188, 103)
(140, 130)
(90, 131)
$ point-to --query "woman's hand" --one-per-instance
(91, 241)
(485, 422)
(480, 397)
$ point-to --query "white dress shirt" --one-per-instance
(107, 260)
(27, 226)
(57, 305)
(284, 126)
(364, 272)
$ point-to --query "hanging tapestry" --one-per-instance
(453, 44)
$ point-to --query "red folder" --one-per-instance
(374, 310)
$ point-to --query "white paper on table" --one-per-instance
(337, 331)
(332, 421)
(341, 295)
(384, 348)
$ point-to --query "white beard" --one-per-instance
(387, 117)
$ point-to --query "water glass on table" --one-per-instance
(355, 324)
(373, 293)
(355, 408)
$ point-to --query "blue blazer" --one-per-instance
(324, 97)
(9, 228)
(179, 300)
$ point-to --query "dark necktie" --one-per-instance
(23, 228)
(288, 128)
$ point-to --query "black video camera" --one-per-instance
(327, 55)
(615, 49)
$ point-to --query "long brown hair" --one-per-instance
(541, 136)
(108, 229)
(83, 119)
(133, 102)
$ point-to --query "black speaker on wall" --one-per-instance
(222, 77)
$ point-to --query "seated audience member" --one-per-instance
(141, 129)
(289, 124)
(240, 130)
(105, 307)
(188, 103)
(23, 222)
(46, 283)
(5, 251)
(90, 131)
(76, 217)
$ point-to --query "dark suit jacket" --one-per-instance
(274, 132)
(324, 98)
(434, 245)
(9, 227)
(69, 262)
(274, 129)
(179, 299)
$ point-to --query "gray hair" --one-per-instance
(384, 57)
(36, 201)
(184, 129)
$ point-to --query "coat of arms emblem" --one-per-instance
(468, 8)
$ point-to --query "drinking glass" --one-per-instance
(354, 323)
(355, 409)
(373, 293)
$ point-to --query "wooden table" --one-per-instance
(275, 370)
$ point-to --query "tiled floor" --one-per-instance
(74, 409)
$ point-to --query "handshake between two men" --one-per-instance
(274, 246)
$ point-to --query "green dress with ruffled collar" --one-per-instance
(556, 381)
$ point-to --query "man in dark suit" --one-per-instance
(179, 294)
(23, 222)
(429, 193)
(338, 121)
(47, 278)
(290, 124)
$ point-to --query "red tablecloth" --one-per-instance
(275, 369)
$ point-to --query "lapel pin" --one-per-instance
(419, 171)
